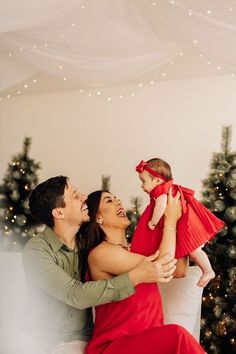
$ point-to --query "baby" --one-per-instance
(196, 226)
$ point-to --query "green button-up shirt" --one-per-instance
(60, 302)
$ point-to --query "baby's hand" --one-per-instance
(151, 225)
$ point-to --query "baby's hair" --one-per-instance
(160, 166)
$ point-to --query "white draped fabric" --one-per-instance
(114, 42)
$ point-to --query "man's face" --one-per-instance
(75, 211)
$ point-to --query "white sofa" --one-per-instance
(181, 299)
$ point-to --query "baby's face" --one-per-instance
(148, 182)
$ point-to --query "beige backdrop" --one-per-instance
(85, 137)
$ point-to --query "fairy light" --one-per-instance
(25, 86)
(64, 78)
(98, 93)
(109, 99)
(81, 91)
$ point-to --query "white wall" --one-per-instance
(85, 137)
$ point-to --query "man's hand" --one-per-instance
(153, 269)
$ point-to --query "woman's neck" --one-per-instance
(115, 235)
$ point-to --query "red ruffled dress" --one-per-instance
(196, 226)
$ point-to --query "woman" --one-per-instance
(134, 325)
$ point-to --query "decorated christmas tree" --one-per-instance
(16, 222)
(218, 323)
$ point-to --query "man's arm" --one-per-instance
(42, 272)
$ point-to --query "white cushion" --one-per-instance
(182, 300)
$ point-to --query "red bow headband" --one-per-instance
(143, 166)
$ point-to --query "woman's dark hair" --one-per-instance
(47, 196)
(90, 234)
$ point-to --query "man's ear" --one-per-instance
(57, 213)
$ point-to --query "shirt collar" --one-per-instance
(52, 239)
(55, 242)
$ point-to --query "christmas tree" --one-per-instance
(133, 215)
(218, 321)
(16, 222)
(106, 180)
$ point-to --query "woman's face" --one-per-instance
(111, 213)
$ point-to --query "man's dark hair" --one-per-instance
(47, 196)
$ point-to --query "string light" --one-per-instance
(189, 12)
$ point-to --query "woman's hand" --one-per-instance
(173, 210)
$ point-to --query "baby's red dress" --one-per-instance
(196, 226)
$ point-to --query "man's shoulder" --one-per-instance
(37, 242)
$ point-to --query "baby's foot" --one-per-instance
(205, 278)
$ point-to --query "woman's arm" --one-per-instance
(158, 211)
(107, 259)
(168, 243)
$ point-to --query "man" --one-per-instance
(61, 303)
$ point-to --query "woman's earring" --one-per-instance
(99, 221)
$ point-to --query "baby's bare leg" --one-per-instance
(201, 259)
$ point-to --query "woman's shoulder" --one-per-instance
(100, 251)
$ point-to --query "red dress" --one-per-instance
(196, 226)
(135, 326)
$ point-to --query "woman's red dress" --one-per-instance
(196, 226)
(135, 325)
